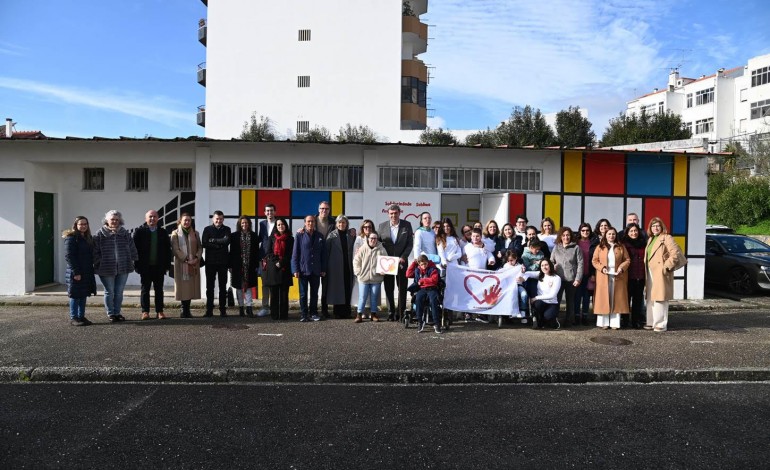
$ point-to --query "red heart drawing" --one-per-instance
(386, 264)
(474, 283)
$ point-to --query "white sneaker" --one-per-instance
(263, 313)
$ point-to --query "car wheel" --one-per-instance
(740, 281)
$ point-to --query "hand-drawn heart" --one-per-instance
(476, 285)
(386, 264)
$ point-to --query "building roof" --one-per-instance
(26, 135)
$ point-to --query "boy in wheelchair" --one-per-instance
(425, 288)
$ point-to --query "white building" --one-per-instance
(310, 63)
(727, 105)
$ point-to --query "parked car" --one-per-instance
(738, 262)
(719, 229)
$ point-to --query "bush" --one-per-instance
(744, 202)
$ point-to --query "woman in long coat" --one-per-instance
(80, 278)
(187, 248)
(277, 262)
(244, 259)
(662, 258)
(339, 272)
(611, 261)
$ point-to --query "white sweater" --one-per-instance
(478, 257)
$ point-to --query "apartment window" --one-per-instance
(327, 176)
(513, 180)
(407, 178)
(303, 81)
(460, 178)
(689, 100)
(688, 126)
(304, 35)
(303, 127)
(743, 95)
(413, 90)
(648, 109)
(704, 126)
(137, 179)
(93, 179)
(704, 96)
(246, 175)
(760, 76)
(181, 179)
(660, 108)
(760, 109)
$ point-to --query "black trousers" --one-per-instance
(391, 282)
(212, 272)
(636, 297)
(279, 302)
(152, 277)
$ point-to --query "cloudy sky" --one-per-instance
(127, 67)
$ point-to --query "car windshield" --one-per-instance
(743, 245)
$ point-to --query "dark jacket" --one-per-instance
(402, 245)
(264, 236)
(79, 256)
(114, 252)
(309, 254)
(143, 240)
(215, 241)
(276, 276)
(236, 262)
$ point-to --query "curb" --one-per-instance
(366, 377)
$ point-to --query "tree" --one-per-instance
(356, 135)
(437, 137)
(572, 129)
(406, 9)
(316, 134)
(485, 138)
(258, 130)
(643, 128)
(526, 126)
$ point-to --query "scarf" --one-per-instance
(187, 245)
(245, 252)
(279, 247)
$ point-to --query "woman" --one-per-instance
(244, 262)
(568, 261)
(187, 248)
(424, 237)
(114, 258)
(601, 227)
(547, 234)
(277, 262)
(611, 262)
(531, 235)
(491, 237)
(508, 240)
(81, 282)
(583, 293)
(339, 271)
(367, 227)
(466, 231)
(369, 281)
(662, 258)
(635, 245)
(448, 244)
(545, 305)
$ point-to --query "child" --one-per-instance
(531, 258)
(512, 262)
(426, 277)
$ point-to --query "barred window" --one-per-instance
(181, 179)
(327, 176)
(137, 179)
(513, 180)
(460, 178)
(246, 175)
(704, 126)
(760, 76)
(303, 127)
(304, 35)
(407, 178)
(704, 96)
(303, 81)
(93, 179)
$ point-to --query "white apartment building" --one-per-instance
(310, 63)
(728, 105)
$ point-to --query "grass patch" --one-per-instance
(762, 228)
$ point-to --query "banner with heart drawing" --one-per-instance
(387, 265)
(481, 291)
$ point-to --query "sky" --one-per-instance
(112, 68)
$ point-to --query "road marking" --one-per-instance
(711, 342)
(269, 334)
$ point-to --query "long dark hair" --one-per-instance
(286, 224)
(551, 271)
(637, 242)
(87, 235)
(596, 229)
(441, 236)
(604, 243)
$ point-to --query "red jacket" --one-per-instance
(425, 278)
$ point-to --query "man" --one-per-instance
(397, 239)
(215, 240)
(308, 265)
(520, 229)
(266, 228)
(325, 224)
(153, 246)
(633, 218)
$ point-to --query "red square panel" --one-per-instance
(280, 197)
(656, 207)
(517, 204)
(605, 173)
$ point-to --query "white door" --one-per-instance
(494, 206)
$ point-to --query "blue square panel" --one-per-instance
(649, 175)
(306, 202)
(679, 220)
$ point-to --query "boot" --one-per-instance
(358, 318)
(375, 317)
(222, 311)
(241, 312)
(250, 311)
(186, 309)
(209, 313)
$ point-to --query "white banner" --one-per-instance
(481, 291)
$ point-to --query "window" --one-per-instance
(648, 109)
(407, 178)
(689, 100)
(246, 175)
(760, 76)
(704, 126)
(413, 90)
(660, 108)
(688, 126)
(137, 179)
(93, 179)
(181, 179)
(460, 178)
(303, 81)
(303, 127)
(513, 180)
(743, 94)
(704, 96)
(760, 109)
(304, 35)
(327, 176)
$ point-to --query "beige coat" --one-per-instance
(665, 256)
(365, 263)
(191, 288)
(620, 287)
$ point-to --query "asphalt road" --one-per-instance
(723, 425)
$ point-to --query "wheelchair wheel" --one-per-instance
(499, 321)
(407, 319)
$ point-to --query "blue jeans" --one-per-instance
(523, 299)
(432, 296)
(312, 282)
(77, 308)
(113, 292)
(582, 297)
(370, 292)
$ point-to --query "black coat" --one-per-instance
(143, 240)
(275, 276)
(215, 241)
(79, 256)
(236, 263)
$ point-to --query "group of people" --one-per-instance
(613, 268)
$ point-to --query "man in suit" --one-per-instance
(153, 246)
(266, 228)
(397, 239)
(324, 224)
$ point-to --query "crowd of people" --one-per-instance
(616, 271)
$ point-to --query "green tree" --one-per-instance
(487, 138)
(437, 137)
(572, 129)
(256, 130)
(526, 126)
(316, 134)
(356, 135)
(744, 202)
(406, 9)
(643, 128)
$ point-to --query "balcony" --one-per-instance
(201, 116)
(202, 31)
(414, 68)
(202, 73)
(413, 117)
(415, 32)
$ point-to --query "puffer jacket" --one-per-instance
(114, 252)
(365, 263)
(78, 254)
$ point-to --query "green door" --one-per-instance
(43, 238)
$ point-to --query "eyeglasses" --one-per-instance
(373, 239)
(367, 227)
(466, 232)
(323, 208)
